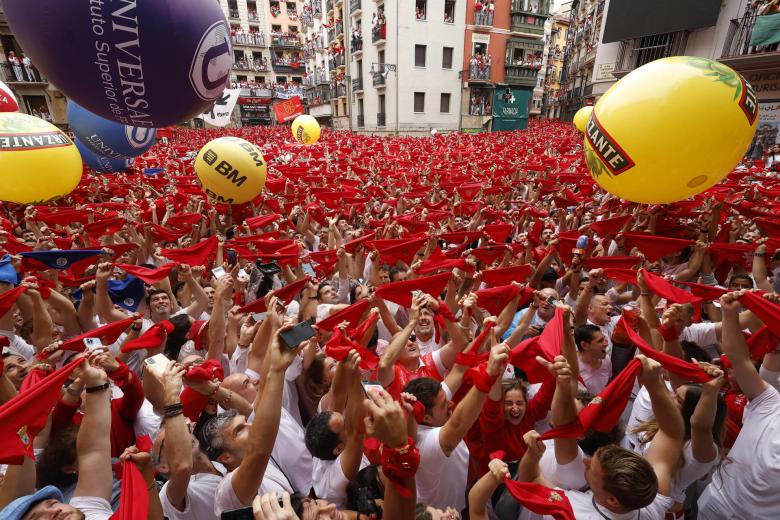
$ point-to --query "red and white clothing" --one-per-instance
(430, 366)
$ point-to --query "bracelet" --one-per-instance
(99, 388)
(760, 255)
(173, 410)
(72, 391)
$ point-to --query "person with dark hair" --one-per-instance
(441, 478)
(620, 481)
(594, 364)
(335, 440)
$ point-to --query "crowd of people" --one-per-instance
(479, 66)
(461, 326)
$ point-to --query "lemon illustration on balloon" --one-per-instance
(670, 129)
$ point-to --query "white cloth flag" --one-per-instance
(220, 112)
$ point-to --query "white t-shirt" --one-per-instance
(431, 345)
(273, 481)
(199, 502)
(595, 379)
(582, 505)
(329, 480)
(94, 508)
(291, 455)
(17, 345)
(746, 485)
(702, 334)
(441, 480)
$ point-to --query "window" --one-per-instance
(444, 104)
(419, 55)
(419, 102)
(480, 48)
(420, 8)
(381, 56)
(449, 11)
(446, 58)
(381, 103)
(276, 28)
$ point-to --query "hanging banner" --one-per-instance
(222, 109)
(288, 110)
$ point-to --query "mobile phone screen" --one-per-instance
(298, 334)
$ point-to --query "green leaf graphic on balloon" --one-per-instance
(719, 72)
(595, 165)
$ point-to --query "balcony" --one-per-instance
(329, 6)
(289, 66)
(336, 61)
(233, 14)
(521, 75)
(378, 34)
(339, 29)
(307, 20)
(356, 45)
(479, 73)
(742, 54)
(537, 8)
(287, 41)
(316, 8)
(379, 79)
(483, 18)
(633, 54)
(380, 119)
(528, 24)
(19, 74)
(357, 85)
(361, 121)
(249, 39)
(252, 16)
(340, 88)
(588, 90)
(355, 6)
(331, 32)
(250, 66)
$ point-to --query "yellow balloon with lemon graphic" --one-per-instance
(670, 129)
(306, 129)
(38, 162)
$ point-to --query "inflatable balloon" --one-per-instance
(100, 163)
(108, 138)
(231, 170)
(306, 129)
(581, 118)
(38, 162)
(670, 129)
(8, 101)
(146, 64)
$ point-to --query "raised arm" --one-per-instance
(702, 443)
(93, 444)
(468, 410)
(201, 303)
(262, 433)
(178, 450)
(736, 349)
(103, 304)
(666, 446)
(386, 370)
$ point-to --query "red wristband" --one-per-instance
(400, 464)
(119, 376)
(482, 380)
(669, 334)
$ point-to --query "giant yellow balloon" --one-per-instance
(38, 162)
(670, 129)
(581, 118)
(231, 170)
(306, 129)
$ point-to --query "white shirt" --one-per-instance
(291, 455)
(273, 480)
(582, 505)
(199, 501)
(441, 480)
(94, 508)
(595, 379)
(329, 480)
(17, 345)
(746, 486)
(426, 347)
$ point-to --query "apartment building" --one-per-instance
(504, 53)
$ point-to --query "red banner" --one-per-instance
(288, 110)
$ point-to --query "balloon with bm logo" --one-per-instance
(145, 64)
(670, 129)
(231, 170)
(306, 129)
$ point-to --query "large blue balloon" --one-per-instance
(146, 63)
(108, 138)
(100, 163)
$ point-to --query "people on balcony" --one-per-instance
(480, 104)
(16, 65)
(479, 66)
(420, 12)
(356, 40)
(286, 38)
(378, 26)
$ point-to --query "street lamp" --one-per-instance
(384, 69)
